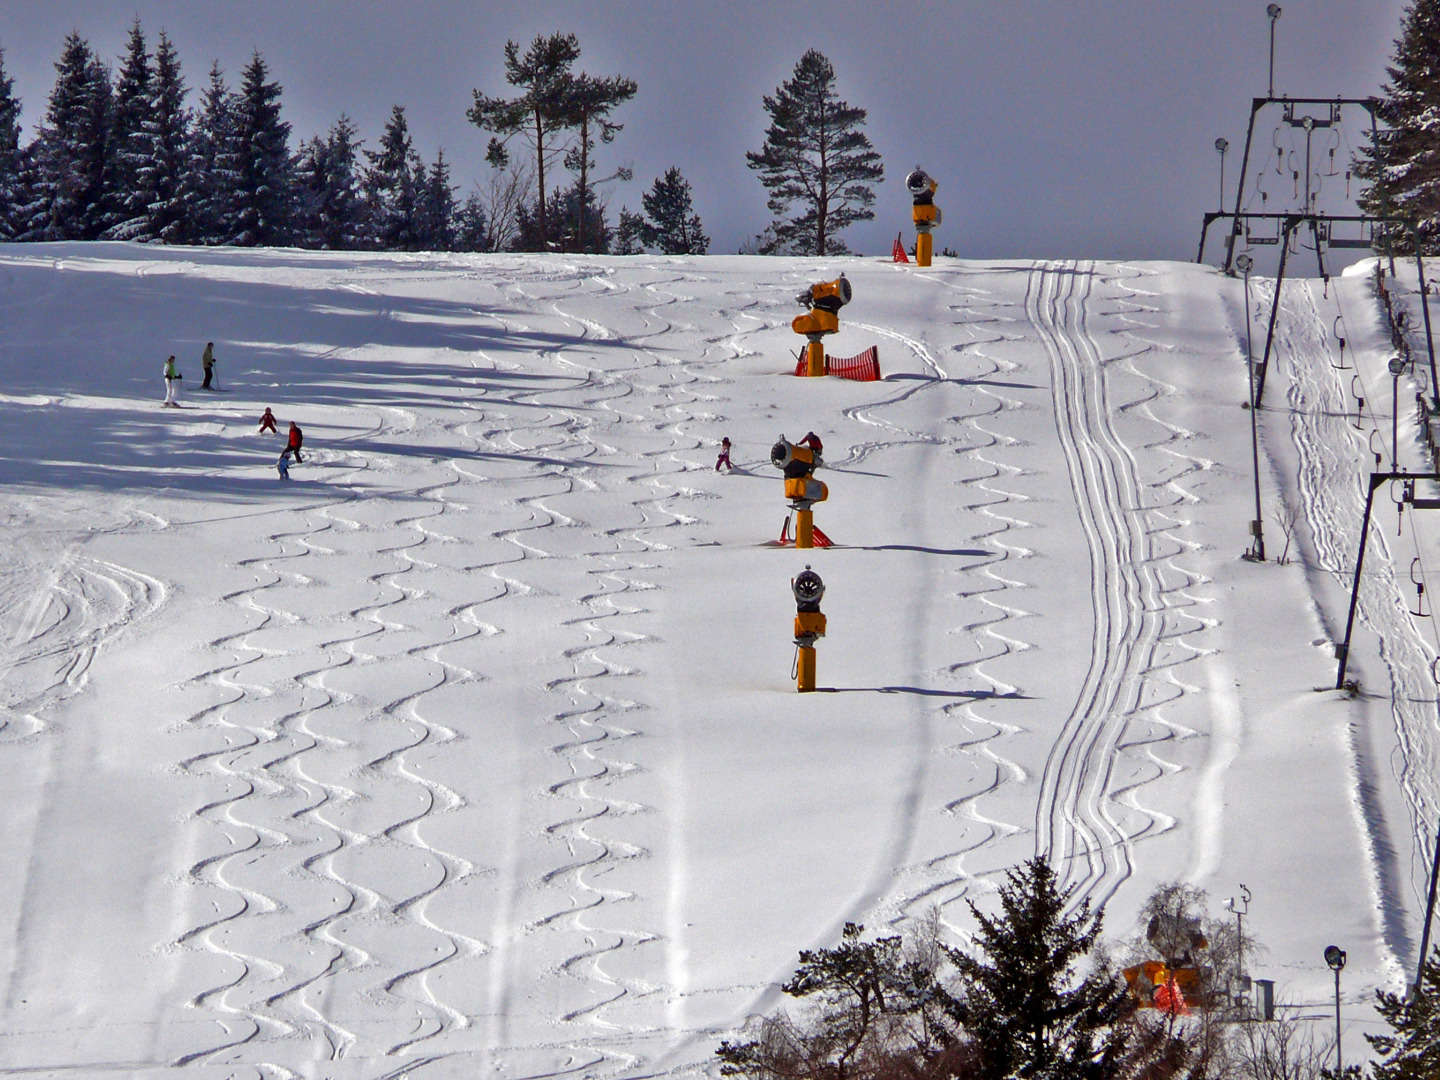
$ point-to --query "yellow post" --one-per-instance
(815, 358)
(804, 528)
(924, 244)
(805, 669)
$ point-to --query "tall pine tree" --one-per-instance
(12, 174)
(125, 215)
(73, 148)
(1020, 995)
(332, 214)
(392, 187)
(592, 99)
(165, 136)
(211, 175)
(672, 225)
(1403, 169)
(815, 159)
(538, 115)
(264, 207)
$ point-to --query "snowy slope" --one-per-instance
(474, 750)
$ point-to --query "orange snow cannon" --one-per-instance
(809, 625)
(924, 212)
(824, 300)
(798, 462)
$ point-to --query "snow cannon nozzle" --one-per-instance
(919, 182)
(808, 589)
(828, 296)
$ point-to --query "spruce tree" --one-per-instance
(1411, 1051)
(165, 136)
(437, 209)
(211, 176)
(629, 233)
(1403, 169)
(391, 187)
(73, 148)
(472, 225)
(815, 159)
(538, 115)
(1020, 996)
(125, 215)
(264, 207)
(12, 194)
(331, 212)
(672, 225)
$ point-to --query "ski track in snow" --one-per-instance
(1078, 826)
(1329, 445)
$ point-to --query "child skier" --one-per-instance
(267, 422)
(296, 438)
(172, 380)
(724, 458)
(283, 465)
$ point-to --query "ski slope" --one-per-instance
(474, 750)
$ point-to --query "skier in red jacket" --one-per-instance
(267, 422)
(296, 438)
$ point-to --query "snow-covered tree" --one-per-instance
(12, 173)
(472, 225)
(672, 224)
(264, 206)
(538, 115)
(165, 135)
(212, 176)
(72, 148)
(1411, 1049)
(817, 159)
(332, 213)
(629, 233)
(1403, 170)
(391, 188)
(125, 215)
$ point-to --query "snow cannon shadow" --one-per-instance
(923, 691)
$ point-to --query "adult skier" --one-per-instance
(207, 361)
(172, 384)
(296, 438)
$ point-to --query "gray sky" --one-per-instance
(1056, 128)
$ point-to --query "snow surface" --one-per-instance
(474, 750)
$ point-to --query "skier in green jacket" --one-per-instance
(172, 383)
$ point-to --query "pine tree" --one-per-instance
(472, 225)
(672, 225)
(332, 213)
(1412, 1049)
(165, 136)
(539, 115)
(12, 171)
(72, 148)
(125, 215)
(591, 101)
(264, 207)
(392, 189)
(212, 176)
(629, 233)
(436, 210)
(1019, 996)
(1403, 169)
(815, 156)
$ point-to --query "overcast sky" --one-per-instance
(1056, 128)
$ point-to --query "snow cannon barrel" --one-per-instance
(809, 625)
(824, 299)
(798, 462)
(925, 213)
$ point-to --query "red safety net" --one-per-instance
(862, 368)
(898, 252)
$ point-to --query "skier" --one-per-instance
(724, 458)
(282, 466)
(296, 438)
(207, 361)
(172, 379)
(267, 422)
(813, 442)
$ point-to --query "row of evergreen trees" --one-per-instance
(124, 157)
